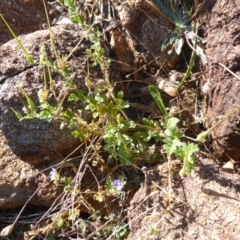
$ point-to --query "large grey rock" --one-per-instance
(28, 146)
(19, 180)
(37, 140)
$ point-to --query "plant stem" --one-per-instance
(191, 63)
(201, 137)
(25, 52)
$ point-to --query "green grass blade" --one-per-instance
(158, 99)
(30, 102)
(27, 55)
(18, 115)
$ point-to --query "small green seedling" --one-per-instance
(174, 146)
(187, 151)
(180, 15)
(27, 55)
(158, 99)
(29, 107)
(174, 13)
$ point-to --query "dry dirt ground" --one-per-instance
(203, 205)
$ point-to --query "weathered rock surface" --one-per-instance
(221, 28)
(23, 16)
(140, 40)
(35, 142)
(19, 180)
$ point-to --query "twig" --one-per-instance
(226, 68)
(7, 230)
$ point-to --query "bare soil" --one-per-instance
(203, 205)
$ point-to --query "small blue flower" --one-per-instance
(118, 184)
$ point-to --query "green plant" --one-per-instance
(115, 187)
(72, 11)
(180, 15)
(27, 55)
(124, 139)
(120, 138)
(158, 99)
(173, 145)
(121, 231)
(61, 181)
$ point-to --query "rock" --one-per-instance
(28, 146)
(23, 16)
(19, 180)
(37, 140)
(140, 41)
(221, 29)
